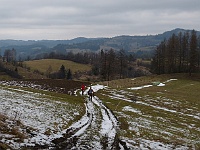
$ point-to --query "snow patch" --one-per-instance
(161, 84)
(131, 109)
(140, 87)
(170, 80)
(155, 83)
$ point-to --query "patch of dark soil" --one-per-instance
(61, 86)
(65, 143)
(124, 145)
(54, 85)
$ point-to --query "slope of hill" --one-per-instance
(128, 43)
(39, 69)
(47, 43)
(55, 64)
(176, 31)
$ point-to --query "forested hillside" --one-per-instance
(37, 49)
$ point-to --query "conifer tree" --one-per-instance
(198, 49)
(185, 52)
(69, 74)
(122, 63)
(62, 72)
(111, 65)
(193, 54)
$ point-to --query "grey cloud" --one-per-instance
(90, 18)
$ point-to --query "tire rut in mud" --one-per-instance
(89, 134)
(90, 138)
(69, 139)
(116, 142)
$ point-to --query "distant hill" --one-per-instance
(176, 31)
(38, 48)
(128, 43)
(47, 43)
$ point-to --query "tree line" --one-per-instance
(113, 64)
(107, 64)
(179, 54)
(80, 57)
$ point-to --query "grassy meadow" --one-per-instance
(43, 65)
(168, 114)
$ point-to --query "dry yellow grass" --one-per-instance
(43, 64)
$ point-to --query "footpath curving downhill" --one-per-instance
(97, 129)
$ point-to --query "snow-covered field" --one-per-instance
(149, 122)
(38, 112)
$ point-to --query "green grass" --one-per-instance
(165, 114)
(43, 64)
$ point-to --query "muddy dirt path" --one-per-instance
(97, 129)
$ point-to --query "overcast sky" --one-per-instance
(67, 19)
